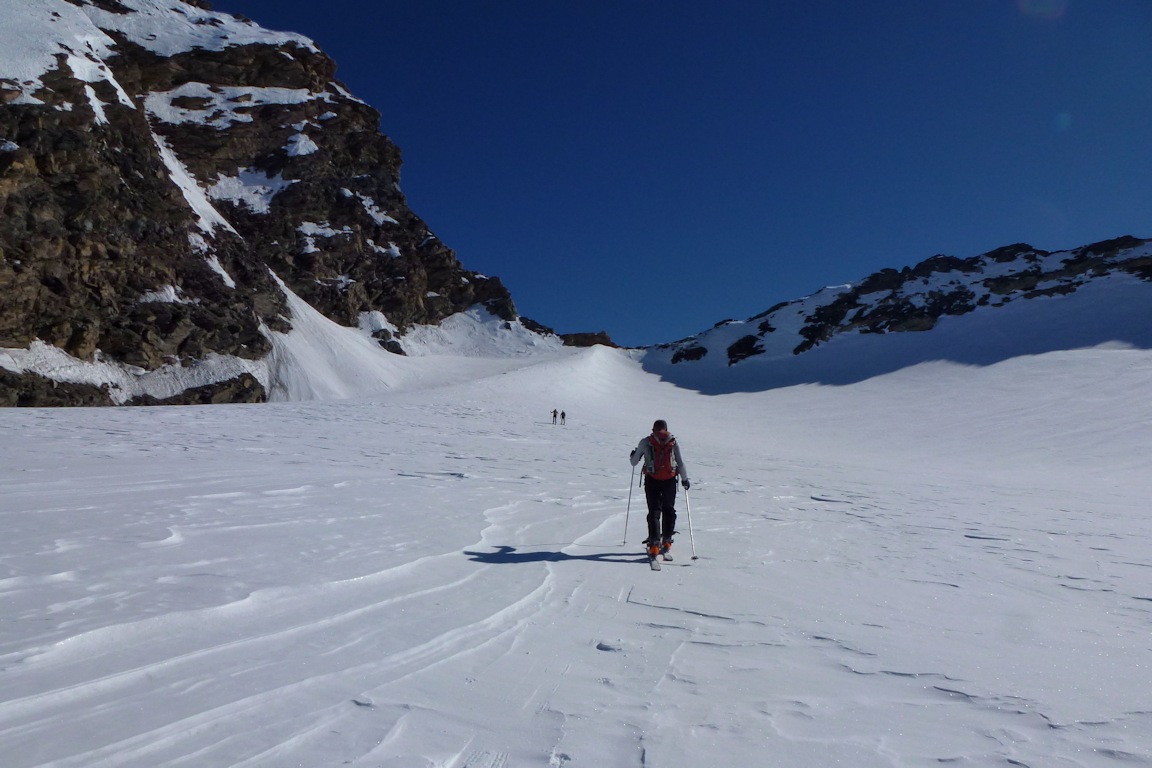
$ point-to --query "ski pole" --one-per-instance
(628, 511)
(691, 536)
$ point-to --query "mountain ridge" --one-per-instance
(942, 308)
(915, 298)
(175, 180)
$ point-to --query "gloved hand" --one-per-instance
(632, 455)
(686, 484)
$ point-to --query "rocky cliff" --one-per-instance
(167, 173)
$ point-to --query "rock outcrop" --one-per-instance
(166, 169)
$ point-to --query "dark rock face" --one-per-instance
(91, 225)
(587, 339)
(147, 210)
(38, 392)
(243, 389)
(690, 353)
(746, 347)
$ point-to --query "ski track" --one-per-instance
(463, 597)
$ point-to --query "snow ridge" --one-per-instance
(1012, 301)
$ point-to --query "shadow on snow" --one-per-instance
(506, 555)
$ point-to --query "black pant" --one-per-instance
(661, 496)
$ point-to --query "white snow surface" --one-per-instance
(251, 188)
(301, 144)
(322, 360)
(124, 381)
(169, 27)
(221, 107)
(35, 32)
(946, 564)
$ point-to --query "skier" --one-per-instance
(563, 416)
(662, 464)
(555, 413)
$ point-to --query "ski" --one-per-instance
(653, 560)
(667, 557)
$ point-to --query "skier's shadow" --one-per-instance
(506, 555)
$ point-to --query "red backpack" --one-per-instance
(663, 459)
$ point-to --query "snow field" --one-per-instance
(946, 565)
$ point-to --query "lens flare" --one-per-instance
(1044, 9)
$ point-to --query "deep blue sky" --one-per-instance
(651, 167)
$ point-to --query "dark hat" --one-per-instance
(659, 425)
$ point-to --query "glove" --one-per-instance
(686, 484)
(632, 455)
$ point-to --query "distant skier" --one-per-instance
(562, 417)
(662, 464)
(554, 414)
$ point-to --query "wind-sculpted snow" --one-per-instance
(946, 565)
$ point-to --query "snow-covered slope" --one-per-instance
(317, 360)
(1009, 302)
(321, 360)
(943, 565)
